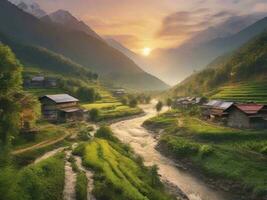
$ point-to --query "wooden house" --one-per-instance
(251, 116)
(60, 108)
(216, 110)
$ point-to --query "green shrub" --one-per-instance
(94, 114)
(105, 133)
(205, 150)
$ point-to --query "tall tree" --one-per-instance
(10, 86)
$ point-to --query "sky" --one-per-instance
(140, 24)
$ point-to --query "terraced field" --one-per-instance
(243, 92)
(118, 176)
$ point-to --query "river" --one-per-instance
(131, 132)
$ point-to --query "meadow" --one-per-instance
(119, 174)
(243, 92)
(229, 155)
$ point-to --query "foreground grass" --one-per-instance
(44, 180)
(119, 174)
(220, 152)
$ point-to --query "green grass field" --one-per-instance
(44, 180)
(45, 131)
(119, 174)
(243, 92)
(220, 152)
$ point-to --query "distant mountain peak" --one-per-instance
(62, 16)
(65, 18)
(30, 7)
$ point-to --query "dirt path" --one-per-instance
(89, 176)
(48, 155)
(70, 180)
(40, 145)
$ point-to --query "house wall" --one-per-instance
(258, 123)
(238, 119)
(49, 109)
(66, 105)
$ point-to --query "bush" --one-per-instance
(133, 103)
(205, 150)
(106, 133)
(94, 114)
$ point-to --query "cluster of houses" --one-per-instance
(40, 82)
(232, 114)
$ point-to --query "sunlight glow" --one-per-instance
(146, 51)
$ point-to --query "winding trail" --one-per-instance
(41, 144)
(89, 176)
(70, 180)
(143, 143)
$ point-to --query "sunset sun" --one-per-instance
(146, 51)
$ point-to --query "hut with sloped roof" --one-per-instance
(60, 108)
(249, 116)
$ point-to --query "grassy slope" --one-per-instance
(44, 180)
(118, 175)
(224, 153)
(244, 72)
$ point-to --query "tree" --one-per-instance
(133, 103)
(169, 102)
(10, 86)
(30, 110)
(159, 106)
(124, 100)
(86, 94)
(94, 114)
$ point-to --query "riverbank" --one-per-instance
(144, 143)
(224, 158)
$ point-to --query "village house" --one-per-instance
(118, 92)
(186, 102)
(60, 108)
(216, 110)
(252, 116)
(40, 82)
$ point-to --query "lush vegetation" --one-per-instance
(119, 174)
(243, 92)
(245, 65)
(219, 152)
(44, 180)
(81, 186)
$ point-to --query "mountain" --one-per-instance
(45, 60)
(240, 76)
(80, 47)
(184, 60)
(29, 7)
(66, 19)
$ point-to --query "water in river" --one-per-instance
(143, 142)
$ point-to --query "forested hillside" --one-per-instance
(248, 64)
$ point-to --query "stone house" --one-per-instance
(60, 108)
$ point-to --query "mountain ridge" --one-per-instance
(76, 45)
